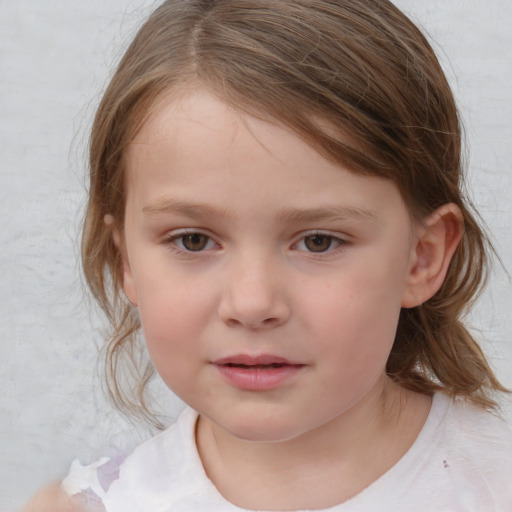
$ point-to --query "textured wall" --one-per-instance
(55, 58)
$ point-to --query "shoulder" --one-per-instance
(461, 460)
(162, 470)
(171, 452)
(476, 433)
(477, 450)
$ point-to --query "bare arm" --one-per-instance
(54, 499)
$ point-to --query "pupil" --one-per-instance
(318, 243)
(195, 242)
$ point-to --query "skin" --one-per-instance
(221, 214)
(239, 238)
(53, 499)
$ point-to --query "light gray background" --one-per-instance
(55, 57)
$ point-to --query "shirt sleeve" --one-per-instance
(84, 478)
(95, 477)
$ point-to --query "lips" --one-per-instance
(257, 373)
(247, 360)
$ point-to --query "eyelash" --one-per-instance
(332, 240)
(176, 242)
(173, 241)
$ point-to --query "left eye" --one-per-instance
(193, 242)
(318, 243)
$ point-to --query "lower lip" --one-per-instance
(258, 379)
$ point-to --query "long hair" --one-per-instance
(358, 81)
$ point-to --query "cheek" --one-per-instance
(174, 314)
(357, 313)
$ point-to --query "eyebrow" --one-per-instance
(200, 210)
(185, 208)
(326, 213)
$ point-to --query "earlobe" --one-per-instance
(436, 242)
(128, 283)
(125, 270)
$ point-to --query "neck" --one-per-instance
(320, 468)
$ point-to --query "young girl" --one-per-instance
(276, 204)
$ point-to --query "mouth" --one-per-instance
(261, 361)
(260, 373)
(256, 366)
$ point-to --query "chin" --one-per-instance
(262, 431)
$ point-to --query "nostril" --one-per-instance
(265, 323)
(233, 322)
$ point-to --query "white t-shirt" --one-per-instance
(460, 462)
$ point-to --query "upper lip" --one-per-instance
(248, 360)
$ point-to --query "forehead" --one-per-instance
(197, 146)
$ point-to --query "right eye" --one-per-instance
(192, 242)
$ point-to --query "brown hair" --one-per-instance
(322, 68)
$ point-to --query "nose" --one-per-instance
(254, 295)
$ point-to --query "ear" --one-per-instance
(125, 270)
(436, 240)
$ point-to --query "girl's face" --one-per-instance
(269, 280)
